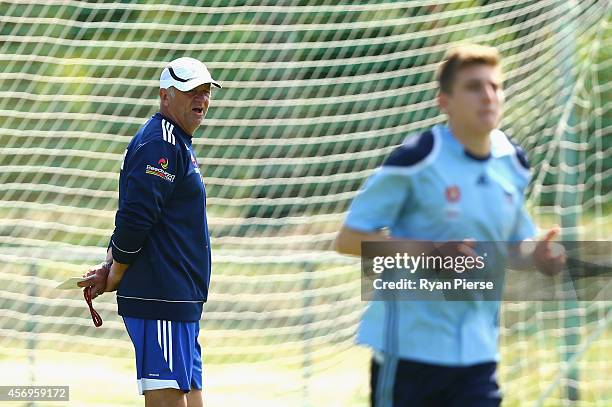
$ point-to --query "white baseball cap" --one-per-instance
(185, 74)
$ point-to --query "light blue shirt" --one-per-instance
(430, 188)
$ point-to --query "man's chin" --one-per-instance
(486, 126)
(488, 122)
(196, 122)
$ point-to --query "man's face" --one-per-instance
(476, 98)
(188, 108)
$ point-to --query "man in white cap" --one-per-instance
(159, 254)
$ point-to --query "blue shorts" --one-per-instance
(403, 383)
(168, 355)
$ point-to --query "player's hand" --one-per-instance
(465, 248)
(548, 256)
(455, 249)
(97, 284)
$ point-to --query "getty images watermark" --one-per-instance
(457, 263)
(487, 271)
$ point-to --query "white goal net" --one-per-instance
(316, 94)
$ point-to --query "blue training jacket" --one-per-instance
(161, 229)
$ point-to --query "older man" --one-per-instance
(159, 254)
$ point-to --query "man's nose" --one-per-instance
(201, 97)
(489, 93)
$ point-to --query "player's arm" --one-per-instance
(543, 254)
(348, 241)
(374, 209)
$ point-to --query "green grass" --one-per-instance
(340, 378)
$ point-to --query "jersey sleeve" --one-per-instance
(524, 228)
(387, 192)
(379, 202)
(150, 174)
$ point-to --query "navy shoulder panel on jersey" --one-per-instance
(414, 150)
(521, 155)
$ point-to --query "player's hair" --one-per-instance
(462, 56)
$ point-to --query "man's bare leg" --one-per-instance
(165, 398)
(194, 398)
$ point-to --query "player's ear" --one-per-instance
(442, 101)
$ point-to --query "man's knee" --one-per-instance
(165, 398)
(194, 398)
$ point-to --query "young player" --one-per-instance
(160, 249)
(463, 180)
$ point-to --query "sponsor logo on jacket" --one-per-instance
(158, 172)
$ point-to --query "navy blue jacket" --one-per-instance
(160, 227)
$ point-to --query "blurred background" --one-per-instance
(316, 94)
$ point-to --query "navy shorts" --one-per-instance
(405, 383)
(168, 355)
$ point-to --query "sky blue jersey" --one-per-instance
(430, 188)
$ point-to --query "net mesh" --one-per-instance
(316, 94)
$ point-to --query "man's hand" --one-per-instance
(549, 257)
(107, 276)
(97, 284)
(115, 276)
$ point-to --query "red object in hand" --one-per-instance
(97, 319)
